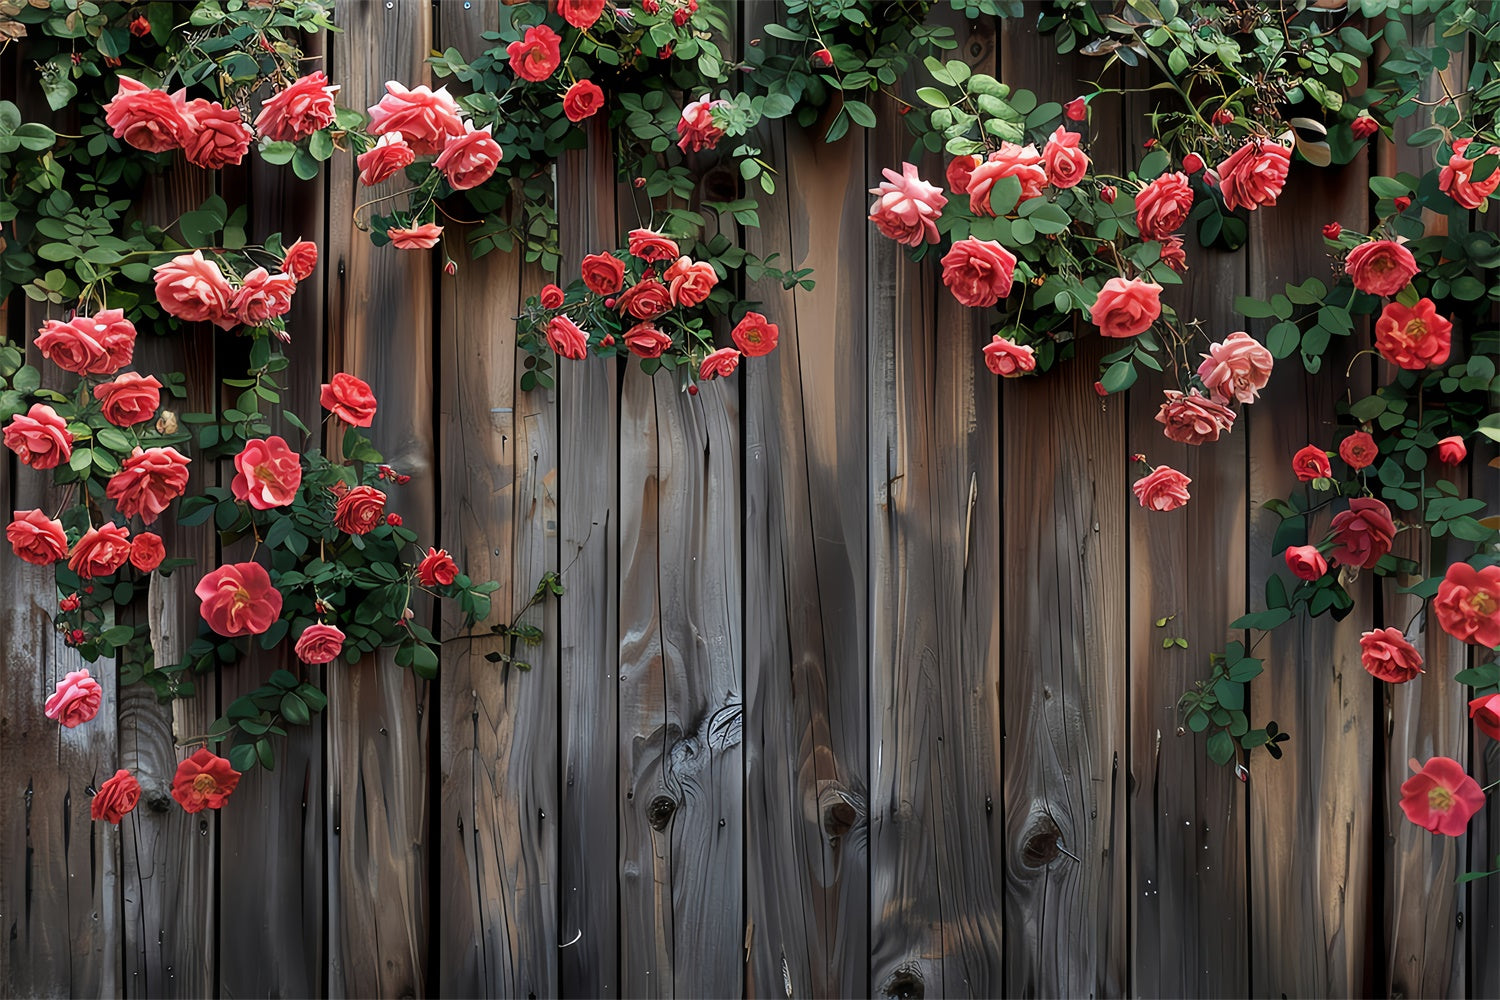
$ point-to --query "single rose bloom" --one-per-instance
(359, 511)
(1485, 711)
(1312, 463)
(1239, 368)
(754, 335)
(76, 700)
(1457, 178)
(115, 798)
(1468, 604)
(148, 481)
(204, 781)
(551, 296)
(217, 136)
(582, 100)
(906, 207)
(385, 158)
(645, 299)
(1363, 533)
(1332, 231)
(1306, 562)
(349, 399)
(690, 283)
(298, 111)
(1174, 254)
(238, 599)
(536, 55)
(1065, 163)
(1126, 307)
(1007, 358)
(1021, 162)
(960, 168)
(39, 437)
(697, 129)
(603, 274)
(1162, 489)
(437, 569)
(425, 118)
(1363, 126)
(1163, 206)
(300, 260)
(1440, 797)
(646, 341)
(423, 237)
(320, 643)
(580, 13)
(130, 399)
(1193, 418)
(566, 338)
(719, 364)
(147, 119)
(147, 551)
(1380, 267)
(1452, 450)
(470, 159)
(1413, 337)
(193, 289)
(267, 473)
(1077, 109)
(101, 551)
(1254, 174)
(1358, 450)
(651, 246)
(1387, 656)
(36, 538)
(89, 345)
(978, 272)
(262, 296)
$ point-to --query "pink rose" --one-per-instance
(1254, 174)
(978, 272)
(470, 159)
(76, 700)
(1312, 463)
(1441, 798)
(217, 136)
(320, 643)
(566, 338)
(1066, 164)
(652, 246)
(690, 283)
(425, 118)
(267, 473)
(1193, 419)
(145, 118)
(1414, 337)
(1452, 450)
(646, 341)
(262, 296)
(300, 260)
(1380, 267)
(360, 510)
(385, 158)
(719, 364)
(536, 55)
(603, 273)
(1163, 489)
(238, 599)
(36, 538)
(1363, 533)
(89, 345)
(349, 398)
(298, 111)
(1468, 604)
(582, 100)
(1021, 162)
(423, 237)
(1387, 656)
(1358, 450)
(1456, 179)
(697, 129)
(194, 290)
(907, 208)
(960, 169)
(1306, 562)
(101, 551)
(147, 550)
(39, 437)
(754, 335)
(1005, 357)
(1236, 369)
(1126, 307)
(1163, 206)
(148, 481)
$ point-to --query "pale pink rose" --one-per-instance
(1254, 174)
(1021, 162)
(697, 129)
(1239, 368)
(1066, 164)
(263, 296)
(217, 136)
(425, 118)
(1162, 489)
(906, 207)
(193, 289)
(1126, 307)
(470, 159)
(423, 237)
(978, 272)
(1007, 358)
(1163, 206)
(298, 111)
(1456, 179)
(384, 159)
(76, 700)
(145, 118)
(148, 481)
(1193, 419)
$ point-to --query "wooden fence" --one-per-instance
(854, 688)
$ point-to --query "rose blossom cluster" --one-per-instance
(1413, 337)
(202, 781)
(195, 289)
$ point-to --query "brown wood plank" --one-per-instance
(380, 329)
(1312, 819)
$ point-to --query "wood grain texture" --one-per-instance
(1311, 814)
(380, 329)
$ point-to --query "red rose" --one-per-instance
(129, 400)
(646, 299)
(1380, 267)
(1021, 162)
(1162, 489)
(536, 56)
(652, 246)
(1364, 126)
(1126, 307)
(1414, 337)
(580, 13)
(823, 58)
(359, 511)
(1468, 604)
(147, 119)
(690, 283)
(148, 481)
(646, 341)
(238, 599)
(193, 289)
(147, 551)
(566, 338)
(754, 335)
(1363, 533)
(89, 345)
(39, 437)
(1332, 231)
(100, 552)
(140, 27)
(1452, 450)
(1485, 711)
(76, 700)
(1193, 419)
(1312, 463)
(115, 797)
(217, 137)
(36, 538)
(1192, 163)
(1163, 206)
(1254, 174)
(1306, 562)
(978, 272)
(603, 273)
(384, 159)
(298, 111)
(262, 296)
(696, 129)
(437, 569)
(204, 781)
(582, 100)
(1387, 656)
(960, 168)
(719, 364)
(267, 473)
(300, 260)
(349, 399)
(1358, 450)
(1066, 164)
(470, 159)
(551, 297)
(1077, 109)
(320, 643)
(424, 118)
(1441, 797)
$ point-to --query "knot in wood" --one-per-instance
(1039, 844)
(838, 817)
(659, 813)
(905, 983)
(720, 184)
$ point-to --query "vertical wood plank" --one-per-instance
(380, 329)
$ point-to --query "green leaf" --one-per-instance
(1283, 339)
(1119, 376)
(1220, 747)
(294, 709)
(242, 756)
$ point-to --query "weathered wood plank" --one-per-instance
(380, 329)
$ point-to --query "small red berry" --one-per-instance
(1192, 163)
(1332, 231)
(609, 303)
(1403, 203)
(693, 389)
(402, 480)
(394, 520)
(76, 636)
(89, 589)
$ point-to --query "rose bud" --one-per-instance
(1332, 231)
(1192, 163)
